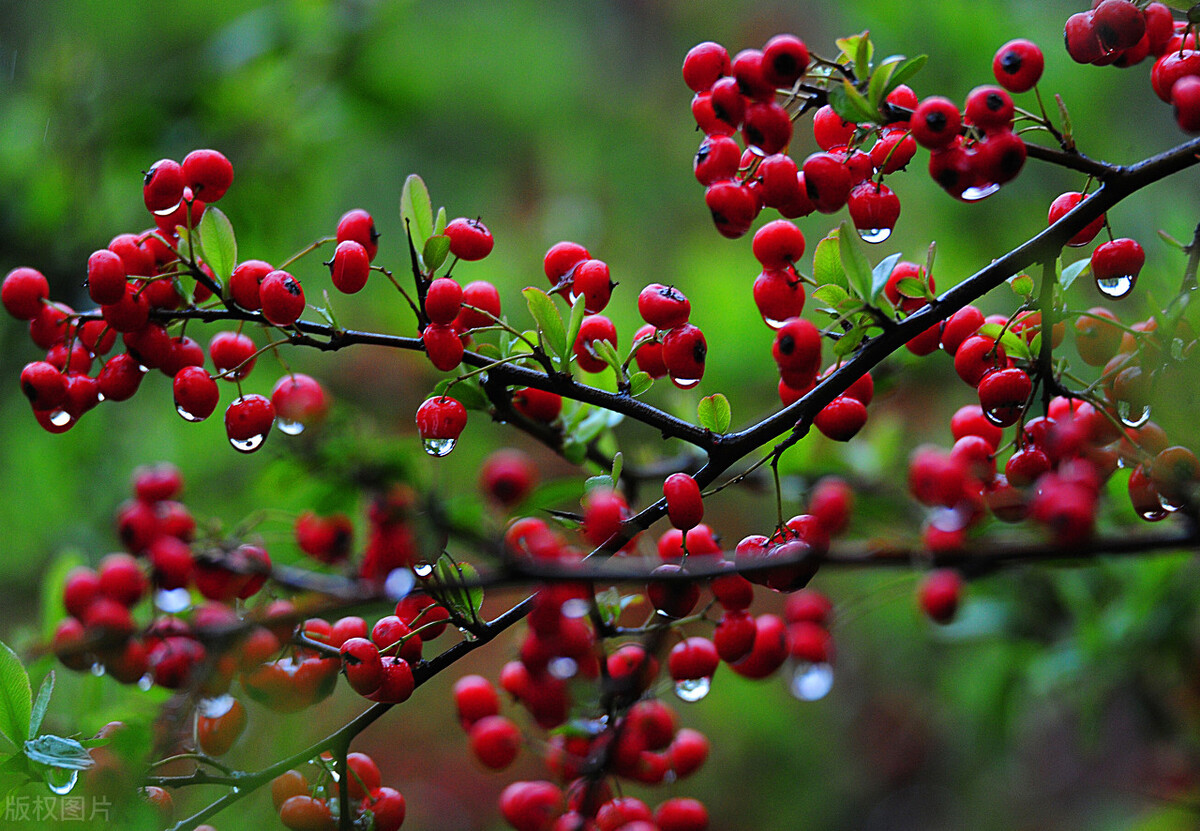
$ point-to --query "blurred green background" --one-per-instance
(1062, 699)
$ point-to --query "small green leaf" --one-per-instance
(464, 601)
(605, 352)
(880, 274)
(714, 413)
(590, 427)
(416, 210)
(847, 343)
(930, 256)
(639, 382)
(43, 701)
(905, 71)
(830, 295)
(1013, 344)
(1067, 129)
(437, 248)
(58, 752)
(548, 319)
(217, 242)
(1022, 284)
(849, 103)
(878, 86)
(609, 604)
(1072, 272)
(574, 451)
(617, 465)
(863, 53)
(912, 287)
(602, 480)
(1170, 240)
(858, 269)
(16, 697)
(576, 320)
(439, 224)
(827, 262)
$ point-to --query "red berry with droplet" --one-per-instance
(469, 238)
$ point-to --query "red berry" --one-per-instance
(989, 108)
(841, 418)
(282, 298)
(162, 187)
(1119, 24)
(779, 295)
(827, 182)
(475, 698)
(469, 238)
(299, 401)
(218, 729)
(350, 266)
(362, 665)
(245, 281)
(561, 258)
(704, 64)
(797, 351)
(874, 209)
(443, 300)
(1064, 203)
(1082, 40)
(935, 122)
(685, 507)
(105, 277)
(684, 353)
(1018, 65)
(649, 352)
(358, 225)
(440, 421)
(44, 385)
(664, 307)
(778, 244)
(495, 741)
(1185, 99)
(590, 280)
(976, 356)
(594, 328)
(1116, 265)
(484, 297)
(388, 808)
(784, 60)
(325, 539)
(894, 150)
(196, 393)
(767, 126)
(208, 173)
(1003, 394)
(603, 512)
(538, 405)
(507, 476)
(830, 130)
(692, 658)
(717, 159)
(248, 419)
(733, 207)
(939, 594)
(443, 346)
(747, 68)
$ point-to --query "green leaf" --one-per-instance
(912, 287)
(850, 341)
(576, 320)
(609, 604)
(714, 413)
(605, 352)
(617, 465)
(437, 247)
(16, 697)
(1022, 284)
(849, 103)
(1072, 272)
(602, 480)
(831, 295)
(464, 601)
(439, 224)
(639, 382)
(930, 256)
(43, 701)
(57, 752)
(217, 243)
(880, 274)
(416, 210)
(549, 320)
(574, 451)
(590, 427)
(1013, 344)
(858, 270)
(827, 262)
(905, 71)
(878, 86)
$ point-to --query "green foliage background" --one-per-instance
(1064, 699)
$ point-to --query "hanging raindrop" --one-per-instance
(291, 428)
(172, 601)
(61, 780)
(874, 235)
(438, 447)
(1116, 287)
(974, 194)
(423, 569)
(693, 689)
(811, 682)
(248, 445)
(1131, 416)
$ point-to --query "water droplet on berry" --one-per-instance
(399, 583)
(576, 607)
(1169, 505)
(685, 383)
(61, 780)
(438, 447)
(562, 668)
(172, 601)
(975, 194)
(693, 689)
(423, 569)
(60, 418)
(1116, 287)
(146, 682)
(179, 408)
(1152, 514)
(874, 235)
(99, 397)
(773, 323)
(1131, 416)
(995, 415)
(168, 211)
(215, 707)
(248, 445)
(98, 669)
(811, 682)
(291, 428)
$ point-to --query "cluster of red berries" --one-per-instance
(1122, 34)
(312, 806)
(453, 311)
(668, 345)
